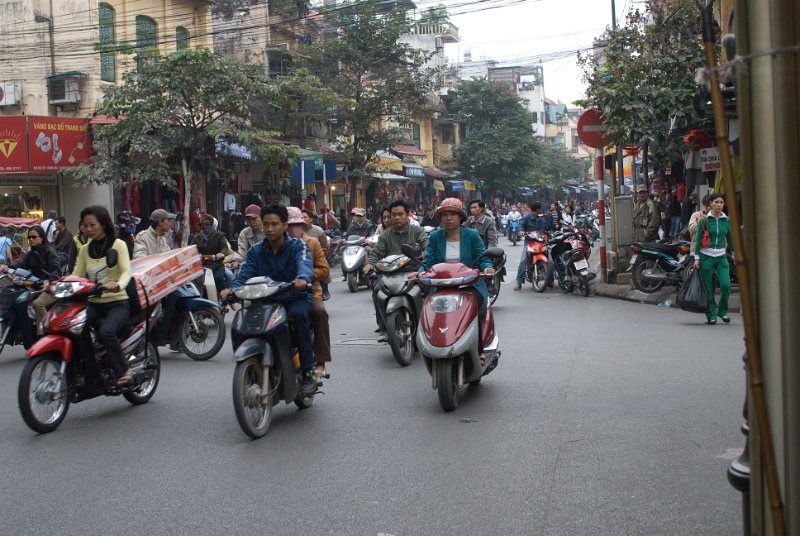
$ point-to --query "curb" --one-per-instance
(627, 293)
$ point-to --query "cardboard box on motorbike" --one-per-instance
(162, 273)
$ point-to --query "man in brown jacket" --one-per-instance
(322, 271)
(645, 217)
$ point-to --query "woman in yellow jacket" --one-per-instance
(111, 310)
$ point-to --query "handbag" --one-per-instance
(705, 240)
(692, 295)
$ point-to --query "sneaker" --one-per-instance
(383, 337)
(726, 319)
(174, 347)
(517, 286)
(309, 385)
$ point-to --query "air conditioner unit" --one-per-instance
(10, 94)
(65, 90)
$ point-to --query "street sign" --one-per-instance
(591, 130)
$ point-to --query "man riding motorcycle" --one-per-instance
(283, 258)
(533, 221)
(212, 243)
(482, 223)
(389, 242)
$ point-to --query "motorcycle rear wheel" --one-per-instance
(637, 276)
(43, 397)
(494, 289)
(146, 390)
(352, 281)
(446, 378)
(207, 341)
(583, 285)
(539, 276)
(251, 400)
(400, 332)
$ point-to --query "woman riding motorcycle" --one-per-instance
(111, 309)
(454, 243)
(42, 261)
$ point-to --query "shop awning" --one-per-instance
(410, 150)
(435, 173)
(388, 162)
(414, 170)
(235, 150)
(389, 177)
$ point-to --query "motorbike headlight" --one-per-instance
(446, 304)
(64, 289)
(254, 292)
(351, 250)
(392, 266)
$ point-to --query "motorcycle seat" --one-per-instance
(669, 249)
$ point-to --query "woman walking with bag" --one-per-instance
(711, 240)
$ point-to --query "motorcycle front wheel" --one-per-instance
(352, 281)
(446, 378)
(637, 276)
(43, 393)
(149, 364)
(206, 341)
(252, 400)
(539, 276)
(400, 331)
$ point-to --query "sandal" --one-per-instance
(482, 358)
(320, 372)
(125, 378)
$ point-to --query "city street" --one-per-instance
(603, 417)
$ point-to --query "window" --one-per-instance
(181, 38)
(108, 59)
(416, 135)
(146, 33)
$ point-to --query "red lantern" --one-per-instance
(631, 150)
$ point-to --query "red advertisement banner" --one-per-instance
(13, 144)
(55, 143)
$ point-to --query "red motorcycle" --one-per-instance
(69, 364)
(537, 261)
(447, 336)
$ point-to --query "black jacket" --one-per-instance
(42, 262)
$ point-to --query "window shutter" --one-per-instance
(108, 60)
(181, 38)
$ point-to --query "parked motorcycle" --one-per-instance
(354, 259)
(538, 270)
(513, 232)
(69, 365)
(13, 291)
(654, 264)
(447, 336)
(196, 326)
(399, 302)
(265, 350)
(568, 254)
(336, 246)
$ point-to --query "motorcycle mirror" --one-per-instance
(409, 250)
(111, 258)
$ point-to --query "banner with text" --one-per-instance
(55, 143)
(13, 144)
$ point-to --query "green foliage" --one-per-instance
(644, 80)
(500, 149)
(376, 77)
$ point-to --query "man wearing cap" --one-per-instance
(389, 243)
(154, 239)
(645, 217)
(211, 243)
(360, 225)
(249, 236)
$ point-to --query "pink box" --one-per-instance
(162, 273)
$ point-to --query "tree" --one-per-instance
(499, 149)
(174, 109)
(376, 77)
(643, 81)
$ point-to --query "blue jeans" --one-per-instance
(674, 226)
(523, 265)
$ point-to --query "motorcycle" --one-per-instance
(399, 302)
(568, 255)
(494, 283)
(447, 336)
(13, 291)
(354, 259)
(537, 271)
(336, 246)
(265, 350)
(653, 264)
(513, 232)
(69, 365)
(196, 326)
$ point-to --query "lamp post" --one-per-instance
(49, 21)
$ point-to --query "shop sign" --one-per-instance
(709, 159)
(55, 143)
(457, 186)
(30, 180)
(415, 171)
(13, 145)
(470, 186)
(438, 185)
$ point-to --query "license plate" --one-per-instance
(633, 259)
(581, 265)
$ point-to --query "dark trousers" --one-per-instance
(111, 318)
(322, 330)
(300, 312)
(24, 323)
(219, 279)
(378, 317)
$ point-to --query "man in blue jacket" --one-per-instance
(285, 259)
(533, 221)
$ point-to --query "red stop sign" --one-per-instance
(591, 130)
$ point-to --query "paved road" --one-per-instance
(604, 417)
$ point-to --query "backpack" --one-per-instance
(4, 241)
(47, 231)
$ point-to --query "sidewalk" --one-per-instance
(629, 293)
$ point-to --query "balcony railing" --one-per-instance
(446, 30)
